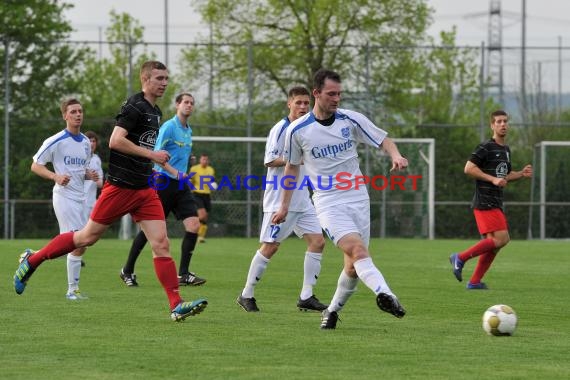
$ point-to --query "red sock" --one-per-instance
(483, 265)
(483, 246)
(165, 269)
(58, 246)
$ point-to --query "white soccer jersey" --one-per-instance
(90, 187)
(274, 148)
(330, 156)
(69, 154)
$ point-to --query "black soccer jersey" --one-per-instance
(495, 160)
(142, 121)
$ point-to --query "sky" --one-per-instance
(547, 24)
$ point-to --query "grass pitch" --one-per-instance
(122, 332)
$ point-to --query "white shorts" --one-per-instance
(345, 218)
(299, 222)
(70, 214)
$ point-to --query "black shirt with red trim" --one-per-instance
(142, 121)
(493, 159)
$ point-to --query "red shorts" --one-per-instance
(114, 202)
(490, 220)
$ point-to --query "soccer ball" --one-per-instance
(500, 320)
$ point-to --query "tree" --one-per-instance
(39, 68)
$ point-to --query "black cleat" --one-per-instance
(328, 319)
(130, 279)
(248, 304)
(311, 304)
(191, 279)
(390, 304)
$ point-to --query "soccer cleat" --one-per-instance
(187, 309)
(248, 304)
(191, 279)
(328, 319)
(311, 304)
(389, 303)
(457, 266)
(201, 239)
(478, 286)
(130, 279)
(24, 271)
(76, 296)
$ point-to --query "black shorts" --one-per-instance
(178, 199)
(203, 201)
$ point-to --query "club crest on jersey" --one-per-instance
(345, 132)
(502, 170)
(148, 140)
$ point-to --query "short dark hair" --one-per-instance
(66, 103)
(496, 113)
(148, 66)
(323, 74)
(92, 135)
(180, 96)
(297, 91)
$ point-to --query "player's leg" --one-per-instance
(270, 237)
(127, 273)
(309, 228)
(183, 204)
(501, 238)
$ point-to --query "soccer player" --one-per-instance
(490, 166)
(69, 152)
(325, 141)
(127, 190)
(203, 173)
(302, 218)
(174, 137)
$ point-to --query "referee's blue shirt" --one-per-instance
(176, 139)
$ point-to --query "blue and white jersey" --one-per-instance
(274, 148)
(91, 186)
(329, 154)
(69, 154)
(176, 139)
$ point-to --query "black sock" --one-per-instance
(138, 244)
(187, 249)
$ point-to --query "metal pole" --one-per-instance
(523, 62)
(482, 95)
(249, 128)
(166, 32)
(6, 137)
(559, 97)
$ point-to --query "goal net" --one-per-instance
(550, 199)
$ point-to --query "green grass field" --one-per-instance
(125, 332)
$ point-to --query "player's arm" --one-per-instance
(526, 172)
(44, 172)
(398, 161)
(289, 183)
(119, 142)
(278, 162)
(475, 172)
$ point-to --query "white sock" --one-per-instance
(73, 272)
(371, 276)
(312, 269)
(345, 287)
(256, 270)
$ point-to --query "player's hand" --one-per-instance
(527, 171)
(399, 163)
(279, 216)
(62, 179)
(500, 182)
(161, 157)
(91, 174)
